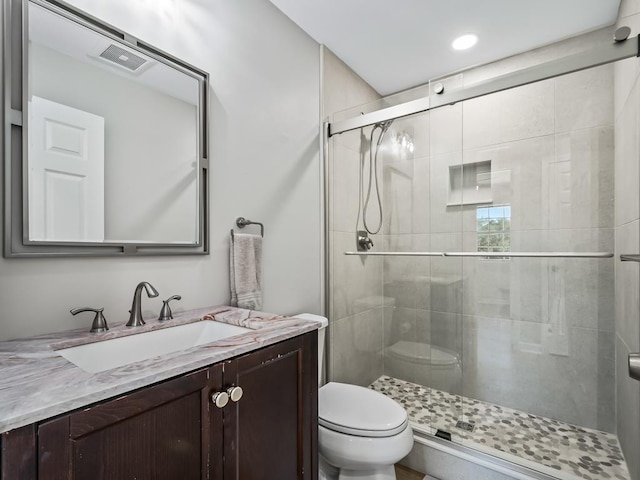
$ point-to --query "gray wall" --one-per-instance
(265, 166)
(627, 223)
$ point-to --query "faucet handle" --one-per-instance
(99, 322)
(364, 241)
(165, 312)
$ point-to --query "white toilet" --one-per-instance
(361, 433)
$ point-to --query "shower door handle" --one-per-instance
(634, 365)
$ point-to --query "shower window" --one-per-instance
(493, 228)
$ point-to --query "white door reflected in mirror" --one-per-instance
(66, 173)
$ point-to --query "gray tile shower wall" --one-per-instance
(540, 381)
(357, 342)
(356, 312)
(627, 225)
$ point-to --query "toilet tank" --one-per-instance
(322, 329)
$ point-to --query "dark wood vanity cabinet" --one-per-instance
(173, 430)
(273, 428)
(162, 432)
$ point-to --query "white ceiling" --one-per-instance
(399, 44)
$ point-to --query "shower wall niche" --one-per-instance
(470, 184)
(530, 169)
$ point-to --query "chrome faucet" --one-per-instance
(135, 317)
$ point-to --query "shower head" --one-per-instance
(383, 126)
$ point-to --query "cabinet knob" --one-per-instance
(235, 393)
(220, 399)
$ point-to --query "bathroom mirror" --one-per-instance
(105, 139)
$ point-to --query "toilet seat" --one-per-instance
(359, 411)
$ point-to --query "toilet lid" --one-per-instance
(359, 411)
(422, 353)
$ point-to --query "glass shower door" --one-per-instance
(534, 173)
(407, 278)
(507, 354)
(447, 211)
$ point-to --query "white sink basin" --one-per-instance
(108, 354)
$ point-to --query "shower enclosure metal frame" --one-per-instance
(617, 50)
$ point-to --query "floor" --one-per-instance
(404, 473)
(559, 449)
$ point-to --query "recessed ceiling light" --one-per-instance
(464, 42)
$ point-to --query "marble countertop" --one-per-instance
(36, 383)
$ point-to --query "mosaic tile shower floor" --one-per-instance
(555, 448)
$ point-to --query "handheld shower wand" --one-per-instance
(373, 172)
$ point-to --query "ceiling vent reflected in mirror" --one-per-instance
(126, 59)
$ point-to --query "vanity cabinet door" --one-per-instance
(18, 454)
(163, 432)
(271, 432)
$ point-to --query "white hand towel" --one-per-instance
(246, 271)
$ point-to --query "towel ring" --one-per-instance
(242, 222)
